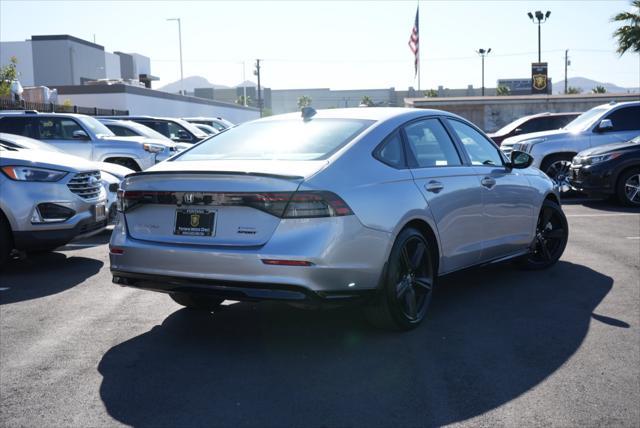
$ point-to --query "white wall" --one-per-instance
(23, 52)
(153, 106)
(112, 65)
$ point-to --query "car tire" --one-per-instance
(407, 285)
(628, 188)
(557, 168)
(197, 302)
(550, 241)
(6, 240)
(126, 162)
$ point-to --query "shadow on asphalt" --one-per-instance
(601, 205)
(492, 335)
(49, 273)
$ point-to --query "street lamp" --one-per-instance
(180, 43)
(482, 54)
(541, 18)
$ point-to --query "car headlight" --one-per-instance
(592, 160)
(30, 173)
(153, 148)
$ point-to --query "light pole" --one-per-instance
(180, 43)
(482, 54)
(541, 18)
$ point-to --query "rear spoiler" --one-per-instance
(259, 174)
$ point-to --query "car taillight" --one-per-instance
(306, 204)
(316, 204)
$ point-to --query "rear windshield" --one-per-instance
(292, 139)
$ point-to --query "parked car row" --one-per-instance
(61, 172)
(554, 150)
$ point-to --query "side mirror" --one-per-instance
(520, 160)
(80, 135)
(605, 125)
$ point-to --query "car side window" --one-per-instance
(177, 132)
(533, 125)
(391, 152)
(430, 144)
(56, 128)
(480, 150)
(625, 119)
(24, 126)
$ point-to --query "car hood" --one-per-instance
(546, 135)
(118, 171)
(47, 159)
(270, 167)
(614, 147)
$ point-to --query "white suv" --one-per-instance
(553, 150)
(84, 136)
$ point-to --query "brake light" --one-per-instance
(306, 204)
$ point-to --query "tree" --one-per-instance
(366, 101)
(599, 90)
(8, 74)
(304, 101)
(573, 90)
(502, 90)
(431, 93)
(628, 34)
(240, 100)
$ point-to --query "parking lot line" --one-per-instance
(633, 237)
(604, 215)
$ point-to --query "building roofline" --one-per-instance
(67, 37)
(424, 101)
(145, 92)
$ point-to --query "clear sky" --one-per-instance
(341, 44)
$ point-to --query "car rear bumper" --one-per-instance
(346, 258)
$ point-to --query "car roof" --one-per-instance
(365, 113)
(33, 113)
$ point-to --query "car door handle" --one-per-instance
(434, 186)
(488, 182)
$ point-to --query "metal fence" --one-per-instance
(6, 104)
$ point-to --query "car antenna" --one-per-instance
(308, 113)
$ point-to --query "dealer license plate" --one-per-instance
(194, 222)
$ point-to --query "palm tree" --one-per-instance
(366, 101)
(573, 90)
(240, 100)
(431, 93)
(599, 90)
(304, 101)
(629, 34)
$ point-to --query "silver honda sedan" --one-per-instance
(333, 205)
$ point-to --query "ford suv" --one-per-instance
(554, 150)
(84, 136)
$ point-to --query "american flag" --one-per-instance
(414, 42)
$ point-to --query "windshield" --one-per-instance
(586, 119)
(96, 127)
(145, 131)
(279, 140)
(511, 126)
(191, 128)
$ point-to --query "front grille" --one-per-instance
(86, 184)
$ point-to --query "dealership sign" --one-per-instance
(539, 82)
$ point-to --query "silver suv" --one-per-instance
(85, 137)
(553, 150)
(47, 199)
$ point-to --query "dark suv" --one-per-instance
(534, 123)
(177, 130)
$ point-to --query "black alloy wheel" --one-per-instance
(409, 282)
(552, 234)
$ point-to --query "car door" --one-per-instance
(451, 189)
(59, 132)
(626, 125)
(507, 197)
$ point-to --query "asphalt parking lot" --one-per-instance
(501, 347)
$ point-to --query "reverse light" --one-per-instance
(29, 173)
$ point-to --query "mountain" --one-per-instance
(190, 83)
(247, 83)
(587, 86)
